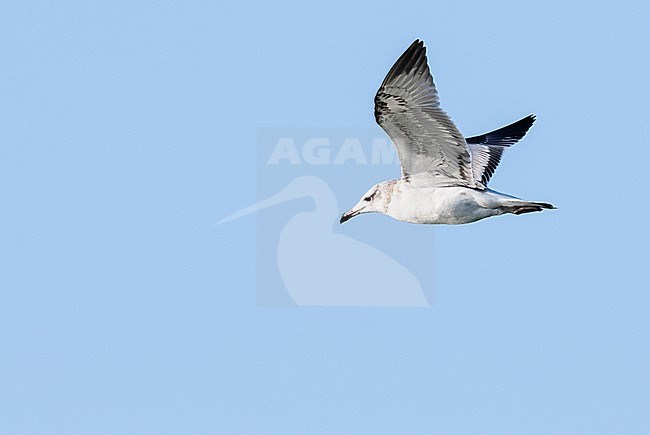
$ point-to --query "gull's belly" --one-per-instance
(441, 205)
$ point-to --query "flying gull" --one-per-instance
(444, 175)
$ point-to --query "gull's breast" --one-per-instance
(439, 205)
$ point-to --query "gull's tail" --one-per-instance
(521, 207)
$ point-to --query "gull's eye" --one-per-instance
(367, 198)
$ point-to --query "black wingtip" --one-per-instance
(530, 118)
(414, 55)
(505, 136)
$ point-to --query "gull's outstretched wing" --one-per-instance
(486, 149)
(428, 143)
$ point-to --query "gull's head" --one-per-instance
(374, 200)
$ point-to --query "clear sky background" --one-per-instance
(127, 129)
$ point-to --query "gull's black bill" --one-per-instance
(348, 215)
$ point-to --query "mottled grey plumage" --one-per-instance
(407, 107)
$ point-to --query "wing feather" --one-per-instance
(428, 143)
(486, 149)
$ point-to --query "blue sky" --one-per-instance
(127, 129)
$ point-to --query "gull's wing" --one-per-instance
(486, 149)
(428, 143)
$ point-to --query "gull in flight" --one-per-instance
(444, 175)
